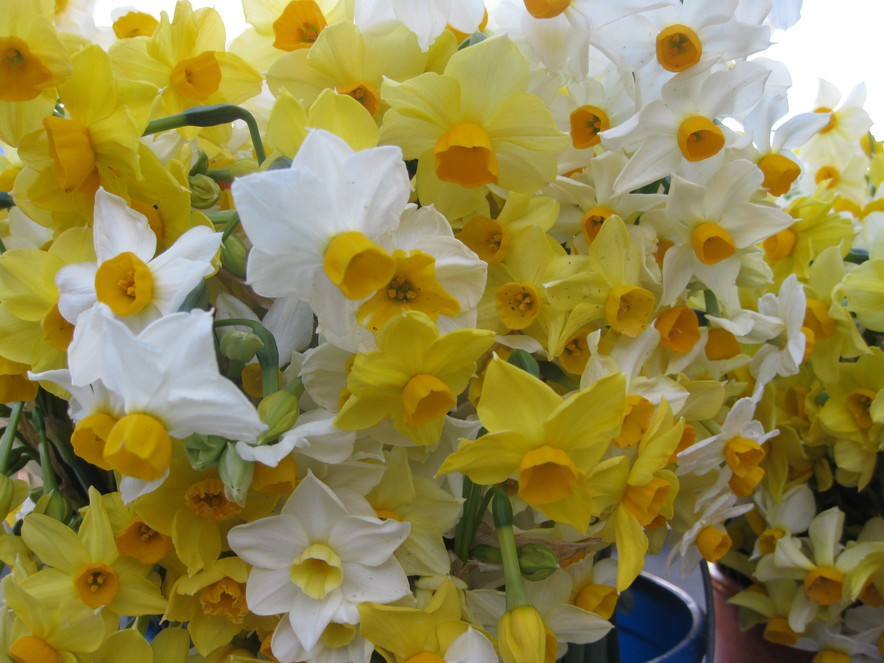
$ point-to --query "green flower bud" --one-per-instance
(486, 553)
(203, 451)
(55, 505)
(201, 165)
(204, 191)
(754, 271)
(240, 345)
(279, 411)
(236, 474)
(234, 254)
(537, 561)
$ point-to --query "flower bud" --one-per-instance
(236, 474)
(203, 451)
(240, 345)
(243, 167)
(12, 493)
(754, 272)
(204, 191)
(55, 505)
(537, 561)
(234, 254)
(522, 636)
(279, 411)
(200, 165)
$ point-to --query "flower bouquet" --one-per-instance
(405, 331)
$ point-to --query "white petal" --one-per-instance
(118, 228)
(269, 543)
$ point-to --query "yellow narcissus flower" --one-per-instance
(550, 444)
(87, 566)
(413, 378)
(34, 63)
(96, 142)
(471, 126)
(349, 62)
(186, 59)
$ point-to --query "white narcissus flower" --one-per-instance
(784, 359)
(162, 384)
(136, 285)
(426, 18)
(315, 227)
(316, 561)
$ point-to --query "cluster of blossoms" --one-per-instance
(473, 299)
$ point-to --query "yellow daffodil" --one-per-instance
(413, 378)
(550, 444)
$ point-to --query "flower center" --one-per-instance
(575, 353)
(197, 78)
(833, 121)
(678, 48)
(465, 156)
(713, 543)
(425, 398)
(363, 92)
(225, 598)
(644, 502)
(124, 283)
(767, 542)
(712, 243)
(586, 124)
(73, 158)
(317, 571)
(698, 138)
(138, 540)
(517, 304)
(487, 238)
(721, 344)
(90, 437)
(546, 474)
(593, 220)
(358, 266)
(135, 24)
(628, 309)
(338, 635)
(57, 331)
(818, 320)
(31, 649)
(858, 402)
(207, 500)
(600, 599)
(298, 26)
(636, 420)
(22, 75)
(780, 245)
(780, 172)
(546, 8)
(829, 173)
(824, 585)
(679, 329)
(96, 584)
(139, 446)
(414, 287)
(743, 455)
(779, 631)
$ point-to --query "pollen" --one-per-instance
(699, 138)
(207, 500)
(593, 220)
(518, 304)
(298, 26)
(487, 238)
(678, 48)
(587, 122)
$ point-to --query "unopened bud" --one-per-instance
(522, 635)
(204, 191)
(236, 474)
(55, 505)
(200, 165)
(203, 451)
(537, 561)
(12, 493)
(234, 254)
(279, 411)
(754, 271)
(240, 345)
(243, 167)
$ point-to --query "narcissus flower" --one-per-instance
(549, 444)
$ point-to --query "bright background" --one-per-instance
(835, 39)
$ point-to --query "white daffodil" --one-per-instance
(788, 516)
(136, 285)
(848, 121)
(316, 561)
(163, 384)
(676, 133)
(713, 225)
(426, 18)
(315, 227)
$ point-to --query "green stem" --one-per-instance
(268, 356)
(232, 223)
(210, 116)
(502, 511)
(712, 307)
(460, 548)
(50, 483)
(9, 436)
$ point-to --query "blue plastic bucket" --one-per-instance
(659, 623)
